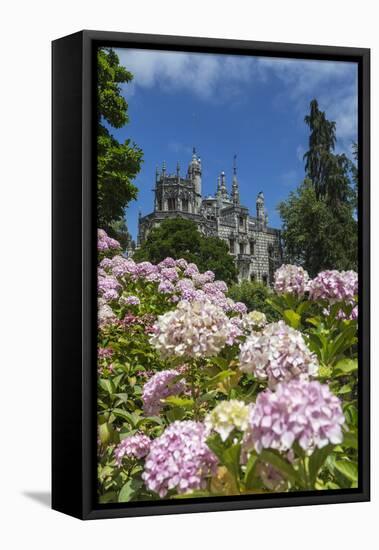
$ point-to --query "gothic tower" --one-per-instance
(194, 173)
(260, 204)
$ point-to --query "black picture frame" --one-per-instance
(74, 273)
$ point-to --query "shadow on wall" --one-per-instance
(41, 497)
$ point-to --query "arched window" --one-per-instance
(171, 204)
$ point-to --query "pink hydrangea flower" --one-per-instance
(130, 300)
(334, 286)
(104, 242)
(306, 412)
(291, 279)
(277, 354)
(167, 262)
(160, 386)
(179, 460)
(134, 446)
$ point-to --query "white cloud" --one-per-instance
(204, 75)
(221, 78)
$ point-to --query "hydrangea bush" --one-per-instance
(197, 397)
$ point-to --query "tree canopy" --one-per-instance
(254, 295)
(117, 163)
(180, 238)
(319, 225)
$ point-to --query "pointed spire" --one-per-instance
(156, 173)
(218, 192)
(223, 188)
(178, 169)
(235, 187)
(164, 168)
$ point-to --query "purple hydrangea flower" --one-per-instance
(278, 353)
(130, 300)
(166, 287)
(170, 274)
(167, 262)
(291, 279)
(106, 243)
(104, 353)
(108, 287)
(134, 446)
(239, 307)
(306, 412)
(179, 460)
(160, 386)
(334, 286)
(181, 263)
(191, 270)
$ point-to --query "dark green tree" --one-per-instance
(117, 163)
(329, 172)
(180, 238)
(119, 230)
(319, 225)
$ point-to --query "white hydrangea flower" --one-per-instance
(291, 279)
(254, 319)
(227, 416)
(193, 329)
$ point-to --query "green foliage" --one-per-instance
(319, 227)
(180, 238)
(118, 230)
(117, 163)
(315, 236)
(255, 296)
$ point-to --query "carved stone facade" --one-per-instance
(255, 247)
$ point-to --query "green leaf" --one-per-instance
(110, 496)
(302, 307)
(346, 388)
(317, 460)
(292, 318)
(250, 472)
(220, 362)
(129, 490)
(176, 401)
(350, 440)
(123, 397)
(282, 465)
(129, 417)
(347, 469)
(106, 385)
(228, 456)
(106, 433)
(231, 459)
(176, 413)
(220, 377)
(346, 366)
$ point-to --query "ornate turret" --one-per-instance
(223, 189)
(194, 173)
(260, 204)
(235, 188)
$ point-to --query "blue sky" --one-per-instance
(253, 107)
